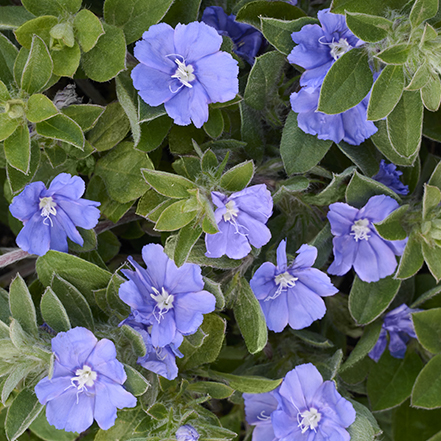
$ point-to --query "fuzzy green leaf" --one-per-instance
(88, 29)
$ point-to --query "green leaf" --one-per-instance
(40, 107)
(216, 290)
(363, 156)
(218, 391)
(17, 180)
(175, 216)
(375, 7)
(122, 165)
(53, 7)
(45, 431)
(250, 318)
(63, 128)
(53, 311)
(404, 124)
(88, 29)
(112, 295)
(420, 79)
(74, 302)
(278, 32)
(369, 28)
(23, 410)
(14, 16)
(431, 94)
(431, 199)
(386, 92)
(411, 260)
(423, 10)
(168, 184)
(108, 57)
(391, 380)
(426, 393)
(147, 113)
(427, 329)
(364, 345)
(347, 82)
(111, 128)
(40, 26)
(21, 305)
(263, 79)
(432, 125)
(135, 16)
(85, 276)
(249, 384)
(85, 115)
(37, 70)
(208, 162)
(19, 64)
(360, 189)
(214, 127)
(238, 177)
(300, 151)
(313, 339)
(390, 228)
(135, 383)
(135, 339)
(251, 12)
(367, 301)
(66, 60)
(432, 257)
(365, 427)
(187, 237)
(18, 149)
(8, 54)
(397, 54)
(182, 11)
(7, 126)
(153, 133)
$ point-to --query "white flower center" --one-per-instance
(84, 377)
(184, 73)
(283, 281)
(340, 48)
(164, 302)
(47, 207)
(310, 419)
(231, 212)
(360, 230)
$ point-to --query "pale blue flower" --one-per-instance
(169, 299)
(398, 323)
(292, 294)
(187, 433)
(160, 360)
(86, 382)
(310, 409)
(357, 243)
(51, 215)
(247, 39)
(183, 69)
(241, 219)
(390, 177)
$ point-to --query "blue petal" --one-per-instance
(82, 212)
(357, 128)
(258, 234)
(58, 236)
(163, 332)
(26, 204)
(282, 261)
(312, 79)
(71, 187)
(377, 351)
(68, 226)
(276, 312)
(316, 281)
(259, 407)
(304, 101)
(130, 294)
(81, 414)
(286, 427)
(157, 264)
(262, 282)
(161, 361)
(34, 237)
(264, 432)
(341, 216)
(329, 431)
(345, 251)
(397, 344)
(59, 409)
(328, 127)
(378, 208)
(195, 41)
(255, 201)
(306, 257)
(187, 278)
(47, 390)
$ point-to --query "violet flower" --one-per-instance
(310, 409)
(169, 299)
(357, 244)
(398, 323)
(86, 383)
(241, 219)
(183, 69)
(160, 360)
(390, 177)
(51, 215)
(187, 433)
(247, 40)
(292, 294)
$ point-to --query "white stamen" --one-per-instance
(231, 212)
(340, 48)
(263, 417)
(47, 207)
(164, 302)
(284, 280)
(360, 230)
(159, 354)
(84, 377)
(184, 73)
(310, 419)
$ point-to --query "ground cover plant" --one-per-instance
(220, 220)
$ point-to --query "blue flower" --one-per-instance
(86, 383)
(247, 40)
(169, 299)
(183, 69)
(319, 47)
(258, 410)
(241, 219)
(357, 243)
(50, 215)
(350, 126)
(161, 360)
(390, 177)
(398, 323)
(292, 293)
(187, 433)
(310, 409)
